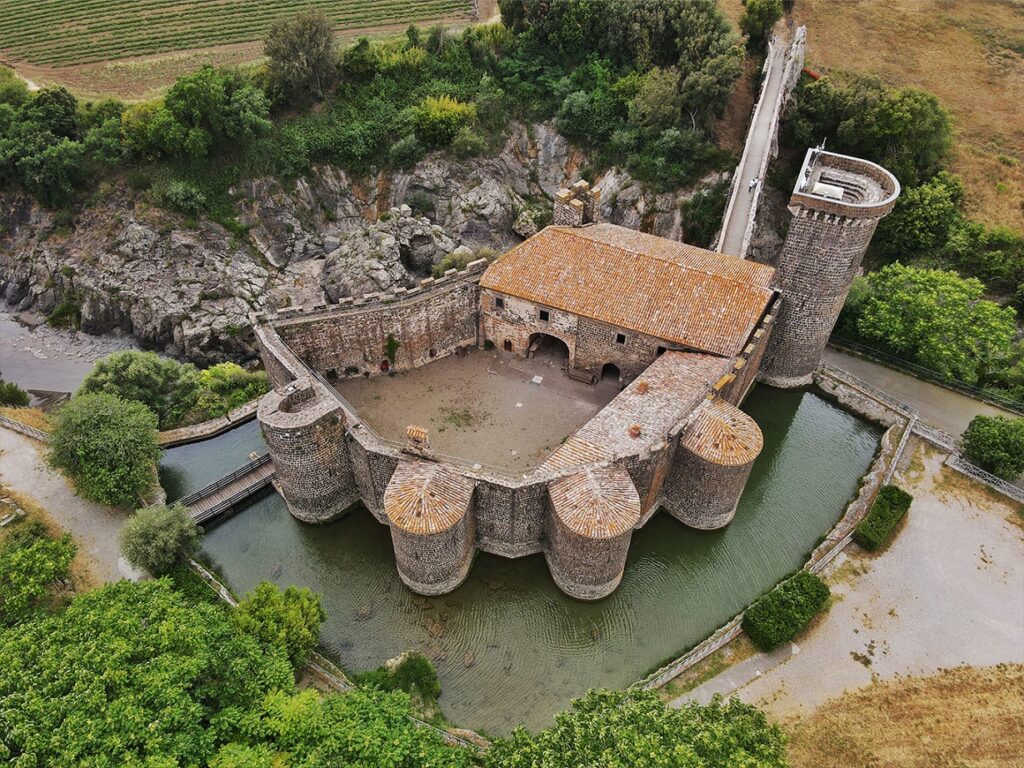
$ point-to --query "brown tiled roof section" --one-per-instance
(596, 502)
(669, 290)
(723, 434)
(423, 497)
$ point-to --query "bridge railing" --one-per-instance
(229, 478)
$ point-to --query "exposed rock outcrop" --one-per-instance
(194, 289)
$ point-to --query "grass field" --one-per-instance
(959, 717)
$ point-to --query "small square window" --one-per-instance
(545, 315)
(499, 303)
(620, 338)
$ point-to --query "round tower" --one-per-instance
(836, 206)
(304, 428)
(593, 513)
(432, 530)
(712, 465)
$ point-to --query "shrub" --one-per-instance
(67, 314)
(437, 119)
(783, 613)
(996, 444)
(29, 563)
(890, 506)
(183, 196)
(160, 537)
(759, 16)
(11, 395)
(702, 214)
(467, 143)
(168, 388)
(405, 152)
(107, 446)
(224, 387)
(412, 672)
(289, 621)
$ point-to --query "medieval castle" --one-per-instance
(688, 330)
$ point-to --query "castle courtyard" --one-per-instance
(483, 407)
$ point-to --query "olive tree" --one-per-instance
(159, 537)
(301, 54)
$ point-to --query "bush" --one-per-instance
(437, 119)
(11, 395)
(702, 214)
(288, 621)
(412, 673)
(996, 444)
(405, 152)
(29, 564)
(160, 537)
(224, 387)
(759, 16)
(467, 143)
(782, 614)
(183, 196)
(67, 314)
(890, 506)
(107, 446)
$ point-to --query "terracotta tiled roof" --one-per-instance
(640, 282)
(423, 497)
(723, 434)
(598, 502)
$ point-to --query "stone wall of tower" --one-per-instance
(702, 494)
(821, 256)
(583, 567)
(304, 428)
(435, 564)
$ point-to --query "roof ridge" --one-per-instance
(576, 232)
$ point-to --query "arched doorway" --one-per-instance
(548, 349)
(611, 372)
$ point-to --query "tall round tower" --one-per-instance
(836, 205)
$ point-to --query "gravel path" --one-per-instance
(94, 527)
(948, 592)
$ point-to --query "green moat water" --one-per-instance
(511, 648)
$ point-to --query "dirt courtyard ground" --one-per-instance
(482, 407)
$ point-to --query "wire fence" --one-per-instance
(921, 372)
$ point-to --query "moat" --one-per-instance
(509, 646)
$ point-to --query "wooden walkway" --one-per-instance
(221, 497)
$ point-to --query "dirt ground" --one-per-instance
(482, 407)
(959, 717)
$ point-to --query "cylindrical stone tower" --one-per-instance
(836, 205)
(432, 528)
(304, 428)
(593, 513)
(712, 465)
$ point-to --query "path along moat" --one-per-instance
(509, 647)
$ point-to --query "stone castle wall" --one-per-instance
(687, 496)
(435, 564)
(582, 567)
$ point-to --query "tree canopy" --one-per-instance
(290, 619)
(159, 537)
(302, 60)
(634, 729)
(107, 446)
(996, 443)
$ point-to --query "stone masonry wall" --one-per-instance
(584, 568)
(510, 518)
(519, 319)
(702, 494)
(438, 563)
(820, 258)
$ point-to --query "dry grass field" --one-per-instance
(965, 717)
(969, 53)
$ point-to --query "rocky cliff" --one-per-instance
(193, 289)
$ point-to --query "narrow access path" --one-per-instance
(759, 143)
(95, 527)
(949, 591)
(938, 407)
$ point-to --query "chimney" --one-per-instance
(576, 206)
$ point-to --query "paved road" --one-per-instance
(759, 142)
(949, 591)
(939, 407)
(94, 526)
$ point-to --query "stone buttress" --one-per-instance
(836, 206)
(711, 466)
(304, 428)
(428, 507)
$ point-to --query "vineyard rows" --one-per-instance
(58, 33)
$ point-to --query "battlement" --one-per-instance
(845, 186)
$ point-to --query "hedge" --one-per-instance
(890, 506)
(782, 614)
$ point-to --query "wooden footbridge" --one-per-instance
(220, 498)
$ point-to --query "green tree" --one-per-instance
(301, 55)
(107, 446)
(759, 16)
(656, 104)
(131, 675)
(634, 729)
(289, 620)
(996, 443)
(12, 395)
(939, 320)
(13, 90)
(168, 388)
(437, 119)
(160, 537)
(53, 173)
(29, 564)
(922, 219)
